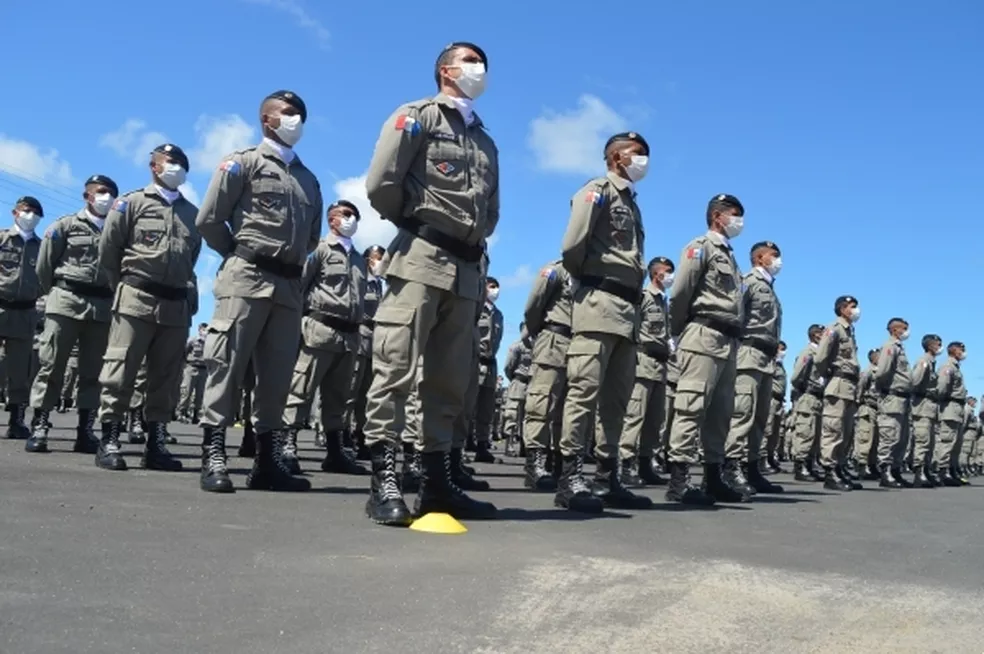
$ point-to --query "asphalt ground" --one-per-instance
(102, 562)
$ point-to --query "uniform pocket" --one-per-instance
(114, 363)
(149, 233)
(393, 337)
(689, 398)
(302, 374)
(583, 355)
(219, 341)
(744, 402)
(537, 403)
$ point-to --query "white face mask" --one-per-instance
(471, 82)
(101, 203)
(290, 130)
(375, 267)
(27, 220)
(775, 267)
(638, 167)
(172, 175)
(734, 226)
(904, 336)
(780, 356)
(347, 226)
(855, 314)
(668, 280)
(492, 294)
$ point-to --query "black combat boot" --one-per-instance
(410, 472)
(886, 480)
(773, 464)
(385, 505)
(922, 478)
(439, 494)
(850, 470)
(137, 432)
(462, 475)
(715, 485)
(483, 454)
(947, 479)
(897, 476)
(573, 492)
(758, 481)
(86, 440)
(681, 490)
(214, 474)
(156, 456)
(37, 442)
(537, 476)
(958, 474)
(868, 472)
(816, 471)
(801, 472)
(16, 429)
(733, 474)
(842, 474)
(627, 474)
(930, 472)
(290, 451)
(337, 459)
(607, 486)
(269, 471)
(247, 448)
(108, 453)
(649, 472)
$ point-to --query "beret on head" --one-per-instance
(105, 181)
(31, 203)
(175, 154)
(634, 137)
(348, 205)
(292, 99)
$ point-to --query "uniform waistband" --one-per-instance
(656, 351)
(557, 328)
(486, 360)
(768, 348)
(161, 291)
(731, 331)
(851, 377)
(520, 377)
(334, 322)
(271, 265)
(437, 238)
(17, 305)
(631, 295)
(89, 291)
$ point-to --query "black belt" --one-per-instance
(523, 378)
(923, 396)
(199, 365)
(556, 328)
(670, 384)
(656, 351)
(460, 249)
(271, 265)
(85, 290)
(953, 399)
(895, 394)
(17, 305)
(731, 331)
(161, 291)
(768, 348)
(486, 360)
(336, 323)
(369, 322)
(779, 396)
(815, 392)
(854, 379)
(630, 295)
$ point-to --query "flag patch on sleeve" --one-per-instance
(120, 205)
(548, 273)
(694, 253)
(593, 197)
(230, 166)
(407, 124)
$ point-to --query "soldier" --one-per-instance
(363, 367)
(77, 310)
(548, 320)
(836, 361)
(644, 414)
(149, 248)
(925, 411)
(519, 361)
(893, 383)
(490, 337)
(435, 174)
(807, 397)
(19, 293)
(262, 213)
(193, 384)
(706, 319)
(971, 432)
(755, 365)
(334, 285)
(71, 380)
(866, 422)
(952, 394)
(773, 445)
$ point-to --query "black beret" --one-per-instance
(956, 344)
(724, 200)
(782, 344)
(465, 44)
(32, 203)
(842, 300)
(766, 244)
(105, 181)
(814, 327)
(628, 136)
(663, 260)
(292, 99)
(347, 205)
(492, 280)
(175, 154)
(372, 249)
(896, 319)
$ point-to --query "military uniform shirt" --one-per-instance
(762, 327)
(924, 381)
(837, 360)
(195, 352)
(550, 303)
(891, 377)
(653, 353)
(806, 377)
(951, 391)
(374, 291)
(18, 283)
(334, 286)
(70, 251)
(779, 382)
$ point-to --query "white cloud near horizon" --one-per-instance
(572, 141)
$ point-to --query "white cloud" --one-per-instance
(24, 159)
(301, 16)
(572, 141)
(190, 193)
(492, 240)
(133, 141)
(373, 230)
(217, 137)
(522, 276)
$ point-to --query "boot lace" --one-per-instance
(290, 443)
(389, 489)
(160, 438)
(111, 440)
(39, 430)
(576, 482)
(216, 452)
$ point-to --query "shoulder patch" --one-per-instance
(594, 197)
(120, 204)
(51, 232)
(407, 123)
(548, 272)
(230, 166)
(695, 252)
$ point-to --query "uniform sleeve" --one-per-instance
(492, 209)
(587, 205)
(862, 387)
(50, 255)
(689, 272)
(319, 205)
(512, 362)
(801, 372)
(497, 327)
(943, 383)
(918, 374)
(214, 219)
(882, 377)
(399, 142)
(311, 267)
(826, 351)
(115, 236)
(536, 303)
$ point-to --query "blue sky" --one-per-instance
(850, 130)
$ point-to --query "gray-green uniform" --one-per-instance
(262, 213)
(644, 414)
(755, 365)
(35, 353)
(149, 248)
(672, 379)
(971, 428)
(925, 411)
(952, 395)
(866, 422)
(836, 360)
(193, 383)
(19, 292)
(490, 326)
(363, 366)
(78, 309)
(70, 384)
(893, 382)
(519, 361)
(807, 406)
(772, 444)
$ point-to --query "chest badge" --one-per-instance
(445, 167)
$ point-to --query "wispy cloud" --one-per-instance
(301, 16)
(572, 141)
(522, 276)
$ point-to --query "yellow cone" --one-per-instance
(438, 523)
